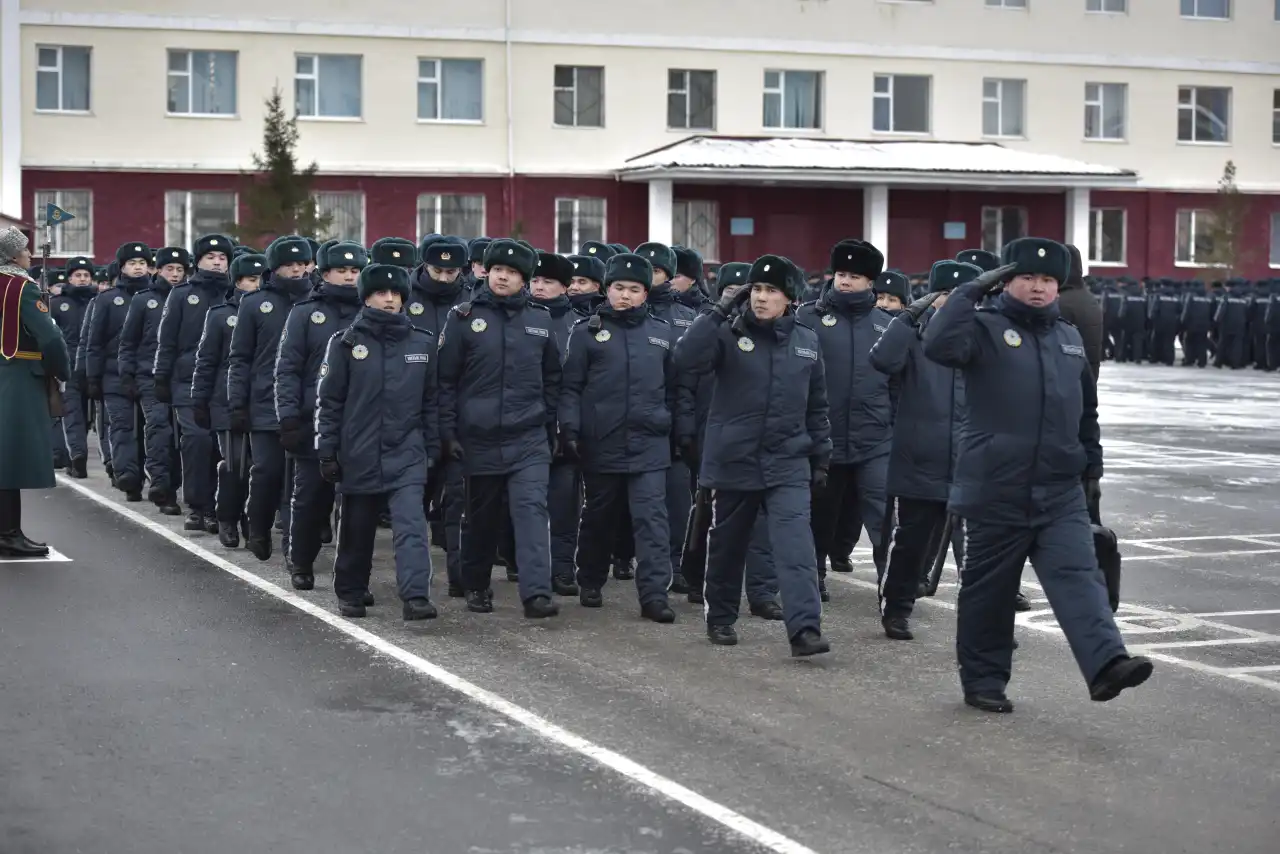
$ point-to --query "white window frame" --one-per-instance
(998, 211)
(780, 90)
(1016, 5)
(58, 69)
(85, 212)
(1274, 256)
(187, 228)
(710, 254)
(999, 101)
(577, 221)
(1100, 104)
(1197, 16)
(436, 227)
(364, 212)
(438, 81)
(170, 73)
(890, 95)
(1096, 216)
(314, 77)
(1191, 107)
(1275, 111)
(574, 89)
(1193, 215)
(684, 92)
(1103, 4)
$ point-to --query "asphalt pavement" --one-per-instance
(156, 702)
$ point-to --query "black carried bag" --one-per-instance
(1107, 548)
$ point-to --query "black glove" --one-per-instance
(569, 447)
(292, 437)
(330, 471)
(994, 279)
(453, 450)
(818, 477)
(164, 391)
(94, 388)
(1093, 497)
(553, 441)
(728, 303)
(920, 306)
(129, 387)
(688, 451)
(240, 421)
(200, 412)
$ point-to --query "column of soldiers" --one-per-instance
(611, 413)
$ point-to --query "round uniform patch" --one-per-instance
(317, 317)
(40, 306)
(66, 306)
(478, 325)
(746, 345)
(360, 352)
(231, 320)
(324, 369)
(152, 304)
(1012, 338)
(416, 308)
(266, 308)
(603, 335)
(193, 299)
(828, 320)
(118, 300)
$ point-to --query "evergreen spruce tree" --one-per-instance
(277, 194)
(1224, 241)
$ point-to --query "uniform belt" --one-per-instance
(28, 355)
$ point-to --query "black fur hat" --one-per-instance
(774, 271)
(1037, 256)
(857, 257)
(588, 267)
(629, 267)
(946, 275)
(384, 277)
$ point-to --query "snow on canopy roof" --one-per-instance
(920, 158)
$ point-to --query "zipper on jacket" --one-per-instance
(1035, 457)
(764, 423)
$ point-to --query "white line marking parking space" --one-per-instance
(602, 756)
(54, 556)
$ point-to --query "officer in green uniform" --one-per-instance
(32, 356)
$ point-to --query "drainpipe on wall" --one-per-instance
(511, 132)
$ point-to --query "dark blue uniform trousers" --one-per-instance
(786, 513)
(101, 427)
(644, 494)
(358, 530)
(912, 546)
(762, 581)
(526, 494)
(564, 505)
(679, 499)
(233, 476)
(123, 421)
(861, 483)
(75, 434)
(198, 467)
(311, 501)
(450, 500)
(266, 486)
(157, 434)
(1061, 551)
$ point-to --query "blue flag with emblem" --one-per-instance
(54, 215)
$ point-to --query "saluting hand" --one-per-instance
(920, 306)
(728, 302)
(993, 279)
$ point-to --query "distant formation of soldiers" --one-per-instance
(612, 413)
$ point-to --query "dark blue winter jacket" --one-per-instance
(82, 346)
(1165, 310)
(768, 424)
(1233, 312)
(1133, 311)
(310, 325)
(563, 318)
(102, 349)
(499, 382)
(1031, 420)
(1197, 312)
(664, 305)
(930, 414)
(376, 408)
(209, 376)
(141, 325)
(68, 310)
(181, 326)
(430, 301)
(618, 396)
(255, 341)
(861, 398)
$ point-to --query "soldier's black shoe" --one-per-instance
(171, 508)
(210, 523)
(624, 571)
(696, 598)
(480, 601)
(513, 574)
(59, 461)
(195, 522)
(259, 547)
(766, 610)
(15, 544)
(351, 609)
(157, 496)
(897, 628)
(368, 599)
(229, 534)
(540, 607)
(111, 472)
(809, 642)
(564, 585)
(79, 468)
(302, 577)
(822, 590)
(384, 520)
(996, 703)
(658, 610)
(722, 635)
(678, 584)
(840, 564)
(589, 597)
(133, 497)
(326, 532)
(419, 608)
(922, 590)
(456, 591)
(1123, 672)
(1021, 602)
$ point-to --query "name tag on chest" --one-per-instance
(1073, 349)
(660, 342)
(681, 322)
(806, 353)
(534, 330)
(878, 328)
(416, 357)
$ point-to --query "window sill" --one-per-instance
(1093, 264)
(463, 122)
(905, 134)
(88, 113)
(1192, 265)
(993, 137)
(690, 130)
(577, 127)
(1205, 143)
(1108, 140)
(1105, 12)
(215, 116)
(779, 131)
(1226, 20)
(339, 119)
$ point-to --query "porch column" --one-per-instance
(11, 112)
(1078, 224)
(875, 217)
(660, 202)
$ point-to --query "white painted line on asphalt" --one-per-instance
(1236, 613)
(1199, 643)
(1232, 553)
(54, 556)
(1198, 538)
(1259, 668)
(616, 762)
(1156, 547)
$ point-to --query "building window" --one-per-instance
(1107, 236)
(577, 221)
(1000, 225)
(900, 103)
(691, 99)
(1118, 7)
(1007, 4)
(73, 237)
(1003, 107)
(1275, 114)
(1105, 105)
(346, 216)
(697, 226)
(1215, 9)
(1194, 237)
(190, 214)
(445, 213)
(1204, 114)
(579, 96)
(202, 82)
(62, 79)
(327, 85)
(793, 99)
(1275, 217)
(450, 90)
